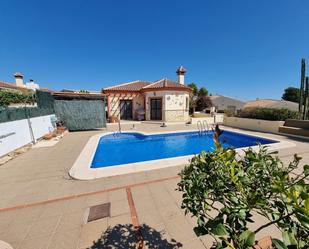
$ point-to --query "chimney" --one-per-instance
(32, 85)
(181, 75)
(19, 79)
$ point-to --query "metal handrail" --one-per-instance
(199, 127)
(206, 126)
(119, 126)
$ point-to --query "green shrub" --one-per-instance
(268, 113)
(223, 191)
(229, 112)
(11, 97)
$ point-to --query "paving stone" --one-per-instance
(76, 204)
(65, 239)
(150, 217)
(97, 199)
(195, 243)
(92, 232)
(170, 212)
(118, 195)
(72, 221)
(53, 209)
(15, 233)
(180, 230)
(37, 243)
(43, 227)
(119, 220)
(119, 207)
(144, 203)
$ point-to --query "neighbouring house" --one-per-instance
(272, 103)
(19, 84)
(162, 100)
(222, 103)
(79, 91)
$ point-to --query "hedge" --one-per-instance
(8, 97)
(268, 113)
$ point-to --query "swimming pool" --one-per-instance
(125, 148)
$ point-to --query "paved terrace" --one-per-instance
(41, 207)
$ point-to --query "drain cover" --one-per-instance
(99, 212)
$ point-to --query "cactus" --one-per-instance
(301, 92)
(306, 102)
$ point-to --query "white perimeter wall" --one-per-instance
(254, 124)
(18, 132)
(217, 118)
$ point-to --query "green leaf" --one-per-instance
(279, 244)
(247, 237)
(199, 231)
(306, 170)
(307, 205)
(219, 230)
(289, 238)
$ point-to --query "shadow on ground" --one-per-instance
(124, 237)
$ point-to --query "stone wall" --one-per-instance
(176, 116)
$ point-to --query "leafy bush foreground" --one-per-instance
(236, 187)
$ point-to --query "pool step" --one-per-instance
(295, 127)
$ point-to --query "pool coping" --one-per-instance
(81, 169)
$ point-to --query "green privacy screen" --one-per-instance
(44, 100)
(12, 113)
(81, 114)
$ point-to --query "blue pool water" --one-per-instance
(126, 148)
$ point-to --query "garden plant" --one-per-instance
(237, 187)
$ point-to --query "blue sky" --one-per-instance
(241, 48)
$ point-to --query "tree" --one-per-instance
(202, 92)
(194, 88)
(291, 94)
(203, 102)
(198, 98)
(223, 190)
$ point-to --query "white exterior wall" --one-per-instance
(18, 132)
(218, 118)
(181, 79)
(114, 104)
(173, 105)
(254, 124)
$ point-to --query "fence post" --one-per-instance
(30, 127)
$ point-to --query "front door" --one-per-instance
(156, 109)
(126, 109)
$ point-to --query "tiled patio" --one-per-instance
(41, 207)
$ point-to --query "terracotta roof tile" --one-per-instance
(129, 86)
(9, 85)
(166, 83)
(139, 85)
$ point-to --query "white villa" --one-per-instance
(162, 100)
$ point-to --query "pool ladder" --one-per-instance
(203, 127)
(119, 129)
